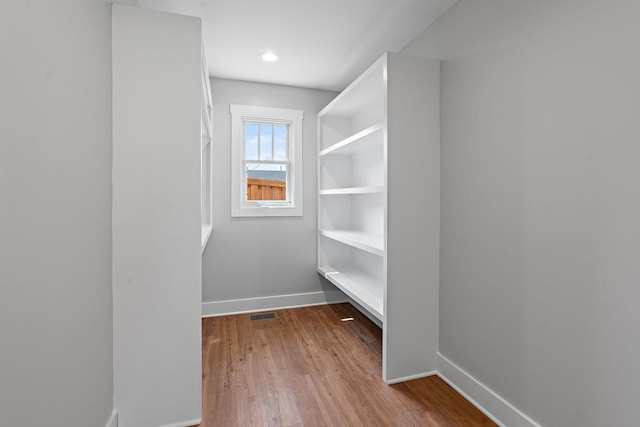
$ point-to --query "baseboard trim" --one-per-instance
(482, 397)
(113, 420)
(412, 377)
(185, 423)
(278, 302)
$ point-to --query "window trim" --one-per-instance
(248, 113)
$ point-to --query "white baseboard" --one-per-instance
(113, 420)
(279, 302)
(412, 377)
(184, 423)
(482, 397)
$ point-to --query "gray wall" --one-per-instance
(258, 257)
(540, 234)
(55, 213)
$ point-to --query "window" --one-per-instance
(266, 161)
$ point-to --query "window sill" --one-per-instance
(266, 210)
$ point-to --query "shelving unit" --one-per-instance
(206, 131)
(378, 205)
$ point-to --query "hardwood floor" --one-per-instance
(308, 367)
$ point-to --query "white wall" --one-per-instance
(55, 213)
(261, 257)
(157, 262)
(540, 203)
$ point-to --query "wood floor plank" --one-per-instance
(308, 367)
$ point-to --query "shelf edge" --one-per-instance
(351, 139)
(335, 279)
(348, 240)
(353, 190)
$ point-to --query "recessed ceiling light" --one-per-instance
(270, 57)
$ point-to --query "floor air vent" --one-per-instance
(262, 316)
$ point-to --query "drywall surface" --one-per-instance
(540, 203)
(261, 257)
(157, 267)
(410, 333)
(55, 213)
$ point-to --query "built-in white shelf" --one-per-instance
(206, 160)
(352, 190)
(364, 241)
(365, 139)
(359, 286)
(381, 136)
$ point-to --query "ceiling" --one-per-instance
(322, 44)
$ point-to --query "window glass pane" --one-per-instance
(266, 143)
(251, 141)
(266, 181)
(280, 151)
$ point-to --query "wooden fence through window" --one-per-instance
(266, 189)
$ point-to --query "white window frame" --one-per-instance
(240, 207)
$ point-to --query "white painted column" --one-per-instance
(156, 217)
